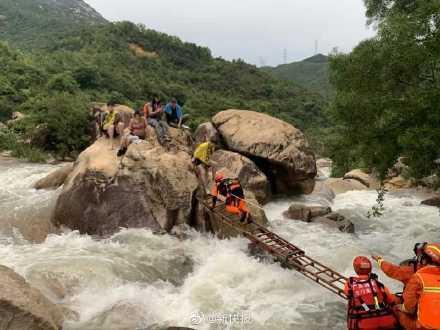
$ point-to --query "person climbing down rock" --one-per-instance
(112, 125)
(402, 273)
(231, 190)
(202, 160)
(153, 113)
(174, 114)
(138, 131)
(370, 302)
(421, 297)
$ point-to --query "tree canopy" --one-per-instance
(387, 101)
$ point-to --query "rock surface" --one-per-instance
(306, 213)
(149, 188)
(319, 214)
(364, 178)
(252, 179)
(340, 186)
(23, 307)
(434, 201)
(338, 221)
(278, 149)
(398, 182)
(55, 179)
(207, 130)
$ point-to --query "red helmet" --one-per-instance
(219, 177)
(362, 265)
(432, 250)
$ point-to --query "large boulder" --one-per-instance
(278, 149)
(55, 179)
(399, 182)
(207, 130)
(149, 188)
(23, 307)
(364, 178)
(340, 186)
(251, 178)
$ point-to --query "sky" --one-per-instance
(261, 32)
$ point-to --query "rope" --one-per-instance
(244, 200)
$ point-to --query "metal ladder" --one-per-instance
(289, 255)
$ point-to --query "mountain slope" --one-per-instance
(32, 23)
(311, 73)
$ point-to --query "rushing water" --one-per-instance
(137, 280)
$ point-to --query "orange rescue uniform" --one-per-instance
(233, 192)
(398, 273)
(421, 307)
(370, 304)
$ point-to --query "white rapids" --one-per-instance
(137, 280)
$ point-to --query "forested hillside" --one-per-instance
(129, 64)
(34, 23)
(311, 73)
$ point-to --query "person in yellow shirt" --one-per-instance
(202, 160)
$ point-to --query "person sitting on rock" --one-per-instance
(112, 125)
(231, 190)
(174, 114)
(369, 301)
(402, 273)
(202, 160)
(153, 113)
(138, 132)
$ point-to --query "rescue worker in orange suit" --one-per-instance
(421, 298)
(401, 273)
(233, 193)
(370, 304)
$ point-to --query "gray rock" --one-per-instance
(280, 150)
(23, 307)
(434, 201)
(306, 213)
(55, 179)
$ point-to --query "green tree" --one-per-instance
(387, 101)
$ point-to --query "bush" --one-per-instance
(63, 82)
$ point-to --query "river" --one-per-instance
(137, 280)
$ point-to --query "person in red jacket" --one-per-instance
(370, 302)
(421, 299)
(401, 273)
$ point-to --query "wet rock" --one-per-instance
(148, 188)
(399, 182)
(207, 130)
(398, 168)
(323, 193)
(305, 213)
(340, 186)
(338, 221)
(364, 178)
(23, 307)
(55, 179)
(431, 181)
(434, 201)
(278, 149)
(238, 166)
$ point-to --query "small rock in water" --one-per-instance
(305, 213)
(434, 201)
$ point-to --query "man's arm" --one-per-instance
(399, 273)
(411, 295)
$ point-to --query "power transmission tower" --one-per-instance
(316, 47)
(285, 55)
